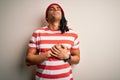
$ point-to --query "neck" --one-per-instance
(54, 25)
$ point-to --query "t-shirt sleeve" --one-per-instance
(33, 42)
(76, 43)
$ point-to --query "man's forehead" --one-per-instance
(54, 5)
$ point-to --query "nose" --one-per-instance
(55, 9)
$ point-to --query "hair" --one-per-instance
(63, 24)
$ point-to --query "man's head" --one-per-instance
(55, 12)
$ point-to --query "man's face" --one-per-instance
(54, 12)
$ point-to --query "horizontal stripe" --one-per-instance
(53, 42)
(75, 46)
(46, 46)
(46, 49)
(53, 59)
(42, 46)
(33, 45)
(44, 29)
(54, 72)
(56, 34)
(34, 39)
(50, 76)
(53, 63)
(47, 67)
(57, 38)
(70, 77)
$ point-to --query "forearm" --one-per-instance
(74, 59)
(36, 59)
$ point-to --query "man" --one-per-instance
(54, 48)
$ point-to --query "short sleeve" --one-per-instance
(76, 43)
(33, 42)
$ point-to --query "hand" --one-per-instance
(60, 51)
(49, 53)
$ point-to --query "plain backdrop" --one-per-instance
(97, 23)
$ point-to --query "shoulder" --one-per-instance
(72, 33)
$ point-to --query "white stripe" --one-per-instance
(57, 38)
(66, 78)
(32, 45)
(51, 32)
(33, 39)
(48, 31)
(51, 45)
(53, 63)
(47, 45)
(76, 46)
(54, 72)
(52, 38)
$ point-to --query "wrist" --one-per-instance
(68, 59)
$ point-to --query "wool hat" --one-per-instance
(49, 8)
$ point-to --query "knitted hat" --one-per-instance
(49, 8)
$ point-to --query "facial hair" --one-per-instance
(52, 18)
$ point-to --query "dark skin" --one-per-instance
(59, 51)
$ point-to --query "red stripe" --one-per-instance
(46, 67)
(55, 34)
(31, 41)
(58, 34)
(31, 47)
(46, 49)
(55, 42)
(35, 35)
(63, 75)
(53, 59)
(71, 79)
(74, 48)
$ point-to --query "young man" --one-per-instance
(54, 48)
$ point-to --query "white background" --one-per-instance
(96, 21)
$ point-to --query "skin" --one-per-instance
(59, 51)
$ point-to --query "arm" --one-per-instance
(62, 53)
(75, 56)
(32, 58)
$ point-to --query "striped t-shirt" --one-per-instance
(43, 39)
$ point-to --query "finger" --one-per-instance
(56, 48)
(52, 54)
(54, 51)
(64, 47)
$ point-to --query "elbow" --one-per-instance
(28, 61)
(78, 61)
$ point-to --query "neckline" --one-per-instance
(48, 28)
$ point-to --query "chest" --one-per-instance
(49, 40)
